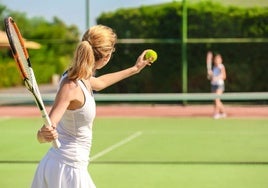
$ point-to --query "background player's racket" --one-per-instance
(209, 63)
(209, 60)
(21, 57)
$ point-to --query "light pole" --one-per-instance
(184, 48)
(87, 14)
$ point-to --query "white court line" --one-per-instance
(112, 147)
(5, 118)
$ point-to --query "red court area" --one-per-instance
(125, 110)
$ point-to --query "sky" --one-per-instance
(73, 11)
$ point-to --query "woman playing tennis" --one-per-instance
(217, 76)
(74, 109)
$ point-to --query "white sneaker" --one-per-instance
(217, 116)
(223, 115)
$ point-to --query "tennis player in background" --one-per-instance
(74, 109)
(217, 75)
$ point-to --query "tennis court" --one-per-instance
(139, 151)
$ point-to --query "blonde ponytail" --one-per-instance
(83, 62)
(97, 42)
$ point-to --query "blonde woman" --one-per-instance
(74, 109)
(217, 75)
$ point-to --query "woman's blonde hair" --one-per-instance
(97, 42)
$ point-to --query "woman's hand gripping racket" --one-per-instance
(21, 57)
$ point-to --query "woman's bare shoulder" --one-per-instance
(67, 84)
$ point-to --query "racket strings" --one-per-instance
(22, 57)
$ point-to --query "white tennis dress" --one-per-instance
(66, 167)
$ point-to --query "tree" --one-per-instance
(57, 41)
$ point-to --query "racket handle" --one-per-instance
(209, 65)
(55, 143)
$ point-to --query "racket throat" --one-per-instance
(28, 85)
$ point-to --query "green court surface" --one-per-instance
(151, 152)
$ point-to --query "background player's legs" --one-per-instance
(219, 111)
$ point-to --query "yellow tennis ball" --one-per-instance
(151, 55)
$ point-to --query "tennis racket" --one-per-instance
(209, 63)
(209, 60)
(22, 59)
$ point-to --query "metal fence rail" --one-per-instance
(26, 98)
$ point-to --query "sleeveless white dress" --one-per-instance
(66, 167)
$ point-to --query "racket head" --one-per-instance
(19, 50)
(209, 60)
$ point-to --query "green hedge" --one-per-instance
(9, 75)
(245, 63)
